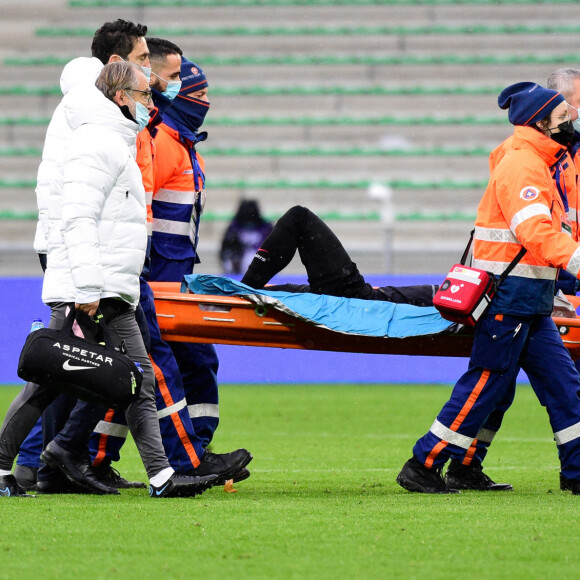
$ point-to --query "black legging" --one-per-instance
(329, 268)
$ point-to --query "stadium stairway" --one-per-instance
(324, 104)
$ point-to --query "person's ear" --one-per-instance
(120, 98)
(114, 58)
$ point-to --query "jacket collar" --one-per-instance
(546, 148)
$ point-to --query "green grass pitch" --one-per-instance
(322, 501)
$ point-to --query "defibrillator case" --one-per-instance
(467, 292)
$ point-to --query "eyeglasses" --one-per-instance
(147, 95)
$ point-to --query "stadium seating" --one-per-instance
(318, 103)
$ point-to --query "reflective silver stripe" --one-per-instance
(528, 212)
(114, 429)
(485, 435)
(572, 215)
(494, 235)
(149, 228)
(148, 197)
(204, 410)
(170, 227)
(172, 196)
(175, 408)
(439, 430)
(573, 266)
(522, 270)
(568, 434)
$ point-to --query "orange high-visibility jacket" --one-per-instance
(178, 196)
(522, 206)
(145, 154)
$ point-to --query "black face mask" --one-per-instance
(566, 134)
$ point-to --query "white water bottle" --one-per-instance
(37, 324)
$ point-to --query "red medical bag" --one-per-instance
(467, 292)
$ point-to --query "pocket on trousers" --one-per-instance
(497, 342)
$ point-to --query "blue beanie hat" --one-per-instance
(192, 77)
(528, 102)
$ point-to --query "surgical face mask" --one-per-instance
(576, 123)
(172, 89)
(146, 70)
(141, 114)
(566, 134)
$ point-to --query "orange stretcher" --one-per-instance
(187, 317)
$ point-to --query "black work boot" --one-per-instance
(569, 485)
(416, 477)
(461, 476)
(224, 465)
(26, 476)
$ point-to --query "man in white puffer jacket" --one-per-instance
(96, 248)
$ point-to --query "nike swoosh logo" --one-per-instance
(67, 367)
(158, 492)
(5, 492)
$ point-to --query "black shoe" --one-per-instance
(59, 484)
(569, 485)
(183, 486)
(459, 476)
(9, 487)
(26, 476)
(242, 475)
(108, 475)
(416, 477)
(224, 465)
(76, 468)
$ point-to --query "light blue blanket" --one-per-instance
(346, 315)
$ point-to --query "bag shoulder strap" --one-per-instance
(510, 267)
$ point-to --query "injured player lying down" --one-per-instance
(329, 268)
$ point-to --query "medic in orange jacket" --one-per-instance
(522, 206)
(179, 196)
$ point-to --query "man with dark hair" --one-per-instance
(165, 60)
(123, 39)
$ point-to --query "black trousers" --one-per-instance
(329, 268)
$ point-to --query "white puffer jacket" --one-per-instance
(79, 71)
(97, 233)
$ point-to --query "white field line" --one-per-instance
(397, 469)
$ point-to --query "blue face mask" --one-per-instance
(147, 72)
(172, 89)
(142, 114)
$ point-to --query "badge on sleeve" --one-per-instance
(529, 193)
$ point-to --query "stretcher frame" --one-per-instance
(187, 317)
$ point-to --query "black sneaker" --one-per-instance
(416, 477)
(183, 486)
(9, 487)
(459, 476)
(108, 475)
(76, 468)
(224, 465)
(26, 476)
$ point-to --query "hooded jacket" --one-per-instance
(523, 207)
(79, 71)
(97, 233)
